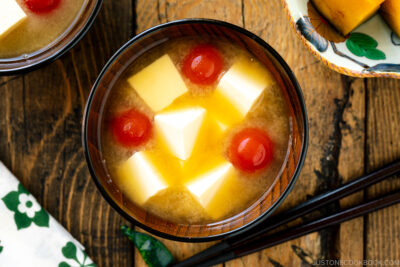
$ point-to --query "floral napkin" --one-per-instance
(29, 236)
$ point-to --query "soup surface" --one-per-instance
(195, 130)
(40, 27)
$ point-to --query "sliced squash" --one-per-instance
(390, 10)
(346, 15)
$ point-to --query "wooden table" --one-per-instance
(354, 128)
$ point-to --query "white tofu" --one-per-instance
(11, 15)
(205, 186)
(213, 187)
(179, 129)
(140, 178)
(243, 84)
(159, 84)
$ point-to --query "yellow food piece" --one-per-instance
(11, 16)
(213, 187)
(346, 15)
(179, 129)
(201, 141)
(159, 84)
(238, 91)
(142, 175)
(209, 143)
(208, 138)
(178, 205)
(390, 10)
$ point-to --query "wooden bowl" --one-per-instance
(70, 37)
(273, 196)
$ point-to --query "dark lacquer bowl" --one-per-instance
(273, 196)
(70, 37)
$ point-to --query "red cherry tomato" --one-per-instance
(42, 6)
(203, 64)
(131, 128)
(251, 149)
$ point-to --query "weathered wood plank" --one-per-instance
(151, 13)
(6, 79)
(40, 137)
(351, 165)
(383, 146)
(12, 124)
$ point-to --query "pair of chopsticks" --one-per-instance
(259, 237)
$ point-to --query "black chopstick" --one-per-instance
(304, 229)
(292, 214)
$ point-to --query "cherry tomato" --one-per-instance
(42, 6)
(251, 149)
(131, 128)
(203, 64)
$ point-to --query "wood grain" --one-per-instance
(153, 12)
(382, 146)
(351, 165)
(354, 128)
(41, 137)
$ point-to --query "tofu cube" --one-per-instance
(140, 178)
(213, 187)
(238, 90)
(179, 129)
(159, 84)
(11, 16)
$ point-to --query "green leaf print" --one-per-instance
(41, 218)
(26, 209)
(22, 221)
(374, 54)
(1, 248)
(70, 252)
(355, 49)
(11, 201)
(363, 40)
(363, 45)
(22, 189)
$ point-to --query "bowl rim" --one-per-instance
(69, 45)
(326, 62)
(293, 179)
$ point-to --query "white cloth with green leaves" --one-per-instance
(29, 236)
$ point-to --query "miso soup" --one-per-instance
(27, 26)
(195, 130)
